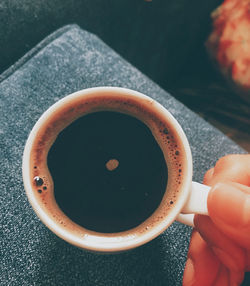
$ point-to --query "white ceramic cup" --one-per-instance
(192, 197)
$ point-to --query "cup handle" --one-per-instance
(196, 204)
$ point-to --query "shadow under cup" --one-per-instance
(107, 169)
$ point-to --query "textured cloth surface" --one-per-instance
(157, 36)
(69, 60)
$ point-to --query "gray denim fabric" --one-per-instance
(69, 60)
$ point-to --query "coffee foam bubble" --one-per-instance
(144, 110)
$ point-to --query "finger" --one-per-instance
(236, 277)
(229, 208)
(234, 168)
(238, 235)
(230, 202)
(223, 278)
(208, 176)
(228, 252)
(202, 265)
(228, 278)
(197, 273)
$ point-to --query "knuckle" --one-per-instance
(227, 161)
(208, 176)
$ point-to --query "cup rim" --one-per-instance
(99, 243)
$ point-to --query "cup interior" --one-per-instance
(169, 136)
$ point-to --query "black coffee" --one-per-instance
(108, 170)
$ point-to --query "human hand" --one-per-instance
(219, 251)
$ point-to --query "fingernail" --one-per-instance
(188, 277)
(225, 258)
(229, 204)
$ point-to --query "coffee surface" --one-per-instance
(107, 162)
(108, 170)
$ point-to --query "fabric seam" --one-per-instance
(9, 71)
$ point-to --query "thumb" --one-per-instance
(229, 208)
(230, 203)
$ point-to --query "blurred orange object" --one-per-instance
(229, 43)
